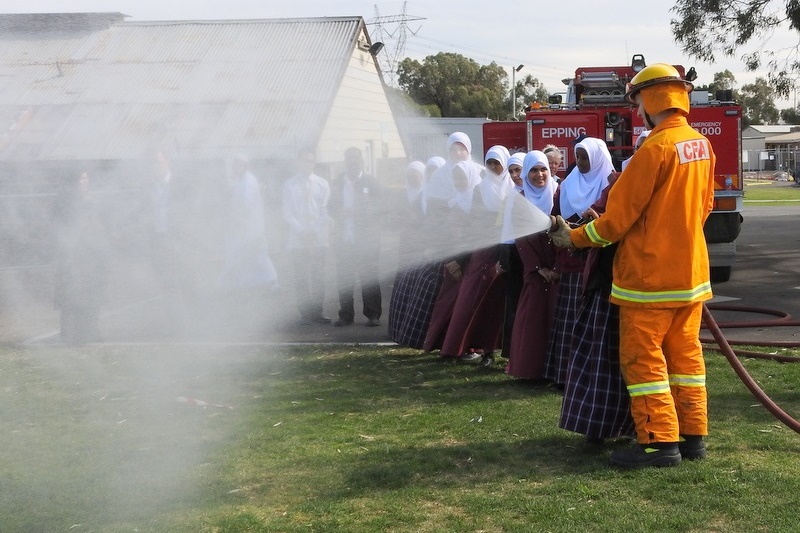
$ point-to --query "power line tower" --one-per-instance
(393, 28)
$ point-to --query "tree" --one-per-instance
(758, 106)
(723, 81)
(458, 86)
(705, 28)
(790, 115)
(452, 85)
(528, 90)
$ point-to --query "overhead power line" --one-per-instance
(386, 28)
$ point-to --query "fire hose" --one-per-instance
(725, 347)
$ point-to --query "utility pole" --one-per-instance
(514, 91)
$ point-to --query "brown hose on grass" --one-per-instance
(748, 381)
(784, 319)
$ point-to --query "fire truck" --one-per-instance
(594, 106)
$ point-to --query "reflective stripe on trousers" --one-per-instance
(662, 363)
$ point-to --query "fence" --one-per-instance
(765, 163)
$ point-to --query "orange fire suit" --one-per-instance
(656, 211)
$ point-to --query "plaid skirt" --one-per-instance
(566, 312)
(596, 401)
(411, 304)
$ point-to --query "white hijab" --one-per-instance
(541, 197)
(459, 137)
(517, 158)
(579, 191)
(494, 187)
(413, 192)
(434, 163)
(463, 199)
(440, 186)
(522, 217)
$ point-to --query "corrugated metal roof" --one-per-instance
(211, 87)
(771, 128)
(786, 138)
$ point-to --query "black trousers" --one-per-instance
(360, 262)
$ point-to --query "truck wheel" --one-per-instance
(720, 274)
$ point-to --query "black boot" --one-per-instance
(692, 447)
(641, 455)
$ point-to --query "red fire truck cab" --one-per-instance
(595, 106)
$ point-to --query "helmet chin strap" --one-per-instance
(648, 121)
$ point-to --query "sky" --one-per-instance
(550, 42)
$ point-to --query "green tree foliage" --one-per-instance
(706, 28)
(790, 115)
(452, 85)
(724, 80)
(529, 90)
(758, 105)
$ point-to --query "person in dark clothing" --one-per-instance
(356, 207)
(80, 262)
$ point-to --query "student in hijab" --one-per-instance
(439, 188)
(596, 402)
(531, 328)
(576, 193)
(415, 286)
(423, 272)
(456, 225)
(440, 244)
(515, 169)
(432, 165)
(496, 182)
(475, 328)
(510, 264)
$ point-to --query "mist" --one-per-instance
(144, 269)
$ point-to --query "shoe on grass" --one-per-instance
(487, 361)
(642, 455)
(471, 357)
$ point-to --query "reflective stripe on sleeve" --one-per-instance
(687, 380)
(592, 235)
(654, 387)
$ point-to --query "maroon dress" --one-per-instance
(477, 319)
(534, 316)
(453, 222)
(476, 322)
(442, 312)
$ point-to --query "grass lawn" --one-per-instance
(357, 440)
(767, 191)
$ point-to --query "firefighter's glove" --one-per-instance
(560, 234)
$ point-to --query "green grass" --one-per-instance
(357, 440)
(767, 191)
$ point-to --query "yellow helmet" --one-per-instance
(653, 75)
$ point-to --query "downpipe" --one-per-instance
(746, 378)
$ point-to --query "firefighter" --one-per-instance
(656, 211)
